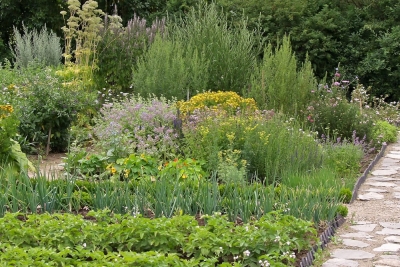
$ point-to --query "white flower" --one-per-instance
(246, 253)
(277, 238)
(84, 245)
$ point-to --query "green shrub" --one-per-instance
(333, 116)
(345, 195)
(119, 49)
(171, 69)
(47, 109)
(201, 52)
(279, 83)
(269, 145)
(342, 210)
(383, 131)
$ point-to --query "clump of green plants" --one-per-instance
(279, 83)
(120, 48)
(383, 131)
(46, 110)
(177, 241)
(200, 52)
(266, 142)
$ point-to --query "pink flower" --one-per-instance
(345, 81)
(337, 74)
(336, 83)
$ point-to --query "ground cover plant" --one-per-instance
(222, 160)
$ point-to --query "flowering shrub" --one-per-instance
(137, 125)
(331, 114)
(228, 101)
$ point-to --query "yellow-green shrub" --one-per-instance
(228, 101)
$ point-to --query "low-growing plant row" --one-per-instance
(198, 153)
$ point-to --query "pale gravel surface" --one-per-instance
(371, 212)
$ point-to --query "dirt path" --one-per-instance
(50, 166)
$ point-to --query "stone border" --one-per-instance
(308, 259)
(362, 178)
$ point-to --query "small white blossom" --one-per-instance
(246, 253)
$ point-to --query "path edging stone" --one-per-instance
(363, 177)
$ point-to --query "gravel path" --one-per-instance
(371, 235)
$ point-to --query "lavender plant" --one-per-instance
(137, 125)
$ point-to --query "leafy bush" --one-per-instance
(201, 52)
(344, 158)
(231, 50)
(36, 48)
(46, 110)
(342, 210)
(383, 131)
(346, 195)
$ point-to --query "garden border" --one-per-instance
(308, 259)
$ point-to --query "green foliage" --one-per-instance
(46, 109)
(200, 52)
(119, 50)
(345, 195)
(185, 169)
(178, 241)
(231, 50)
(269, 146)
(279, 83)
(383, 131)
(342, 210)
(36, 48)
(8, 129)
(332, 115)
(171, 69)
(344, 158)
(134, 167)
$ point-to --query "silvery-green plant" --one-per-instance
(37, 48)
